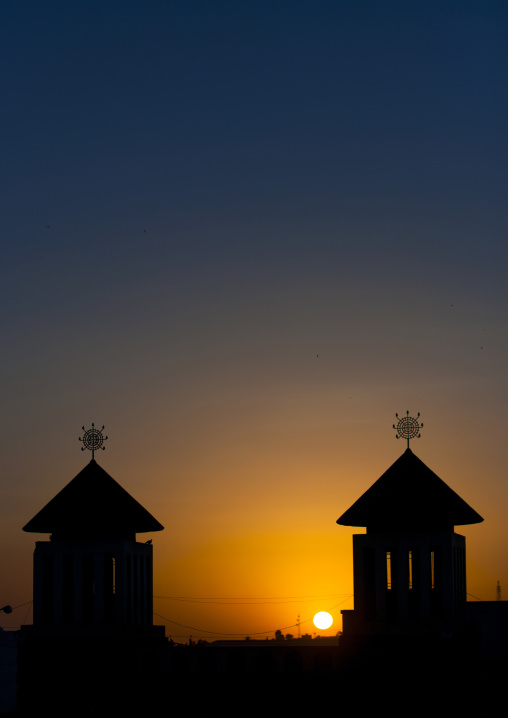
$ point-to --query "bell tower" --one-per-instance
(92, 576)
(410, 566)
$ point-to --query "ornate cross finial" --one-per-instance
(408, 427)
(93, 439)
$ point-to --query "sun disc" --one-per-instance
(322, 620)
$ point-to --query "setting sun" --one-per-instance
(322, 620)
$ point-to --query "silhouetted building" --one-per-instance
(410, 566)
(92, 573)
(93, 638)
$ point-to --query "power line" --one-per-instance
(27, 612)
(21, 605)
(247, 601)
(475, 597)
(261, 598)
(245, 633)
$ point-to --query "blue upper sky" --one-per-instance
(153, 112)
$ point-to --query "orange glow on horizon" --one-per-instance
(244, 522)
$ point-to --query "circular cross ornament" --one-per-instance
(93, 439)
(407, 427)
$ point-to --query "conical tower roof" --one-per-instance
(93, 504)
(409, 495)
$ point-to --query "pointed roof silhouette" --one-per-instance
(409, 494)
(93, 503)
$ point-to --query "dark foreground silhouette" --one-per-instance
(151, 678)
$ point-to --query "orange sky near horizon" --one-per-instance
(250, 545)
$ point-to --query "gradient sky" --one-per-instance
(242, 235)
